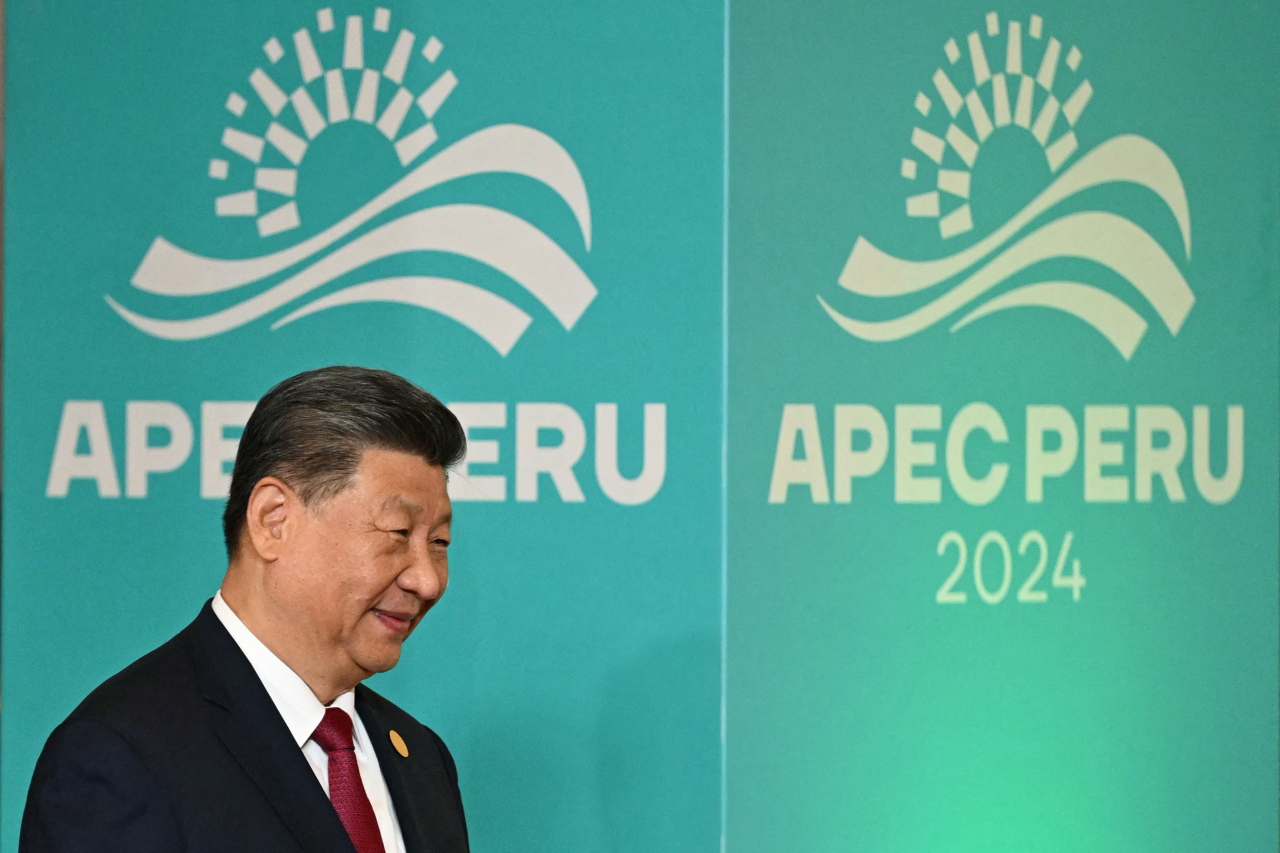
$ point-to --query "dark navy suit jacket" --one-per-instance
(185, 751)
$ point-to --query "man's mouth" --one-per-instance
(396, 621)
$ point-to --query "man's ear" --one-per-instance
(273, 515)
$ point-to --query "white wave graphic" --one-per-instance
(493, 237)
(490, 236)
(1117, 322)
(1104, 238)
(491, 317)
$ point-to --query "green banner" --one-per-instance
(1002, 434)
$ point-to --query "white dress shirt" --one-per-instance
(302, 712)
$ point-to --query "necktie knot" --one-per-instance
(334, 731)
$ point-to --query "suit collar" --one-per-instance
(299, 707)
(250, 726)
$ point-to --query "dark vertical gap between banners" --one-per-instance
(724, 454)
(3, 84)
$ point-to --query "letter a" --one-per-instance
(787, 470)
(98, 464)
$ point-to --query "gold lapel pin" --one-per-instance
(399, 744)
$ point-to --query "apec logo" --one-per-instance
(357, 72)
(1034, 89)
(1001, 96)
(364, 80)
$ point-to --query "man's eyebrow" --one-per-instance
(403, 502)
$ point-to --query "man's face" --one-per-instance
(368, 563)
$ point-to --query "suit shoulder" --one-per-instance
(151, 684)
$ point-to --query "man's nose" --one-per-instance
(425, 577)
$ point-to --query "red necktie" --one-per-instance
(346, 790)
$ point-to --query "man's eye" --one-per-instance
(443, 543)
(402, 533)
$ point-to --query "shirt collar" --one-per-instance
(299, 707)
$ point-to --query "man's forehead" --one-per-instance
(399, 474)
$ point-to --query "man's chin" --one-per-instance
(379, 656)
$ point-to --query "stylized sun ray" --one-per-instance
(413, 144)
(393, 116)
(924, 142)
(923, 206)
(338, 106)
(278, 181)
(287, 143)
(398, 61)
(908, 169)
(985, 117)
(1049, 65)
(981, 71)
(283, 218)
(958, 221)
(308, 113)
(978, 114)
(1060, 150)
(271, 95)
(1022, 112)
(237, 204)
(367, 97)
(1013, 53)
(954, 181)
(1044, 121)
(1076, 102)
(246, 145)
(947, 90)
(1000, 100)
(353, 43)
(335, 90)
(308, 60)
(436, 94)
(962, 145)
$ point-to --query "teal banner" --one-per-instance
(519, 210)
(1002, 427)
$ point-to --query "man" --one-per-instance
(250, 731)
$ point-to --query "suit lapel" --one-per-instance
(399, 774)
(255, 734)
